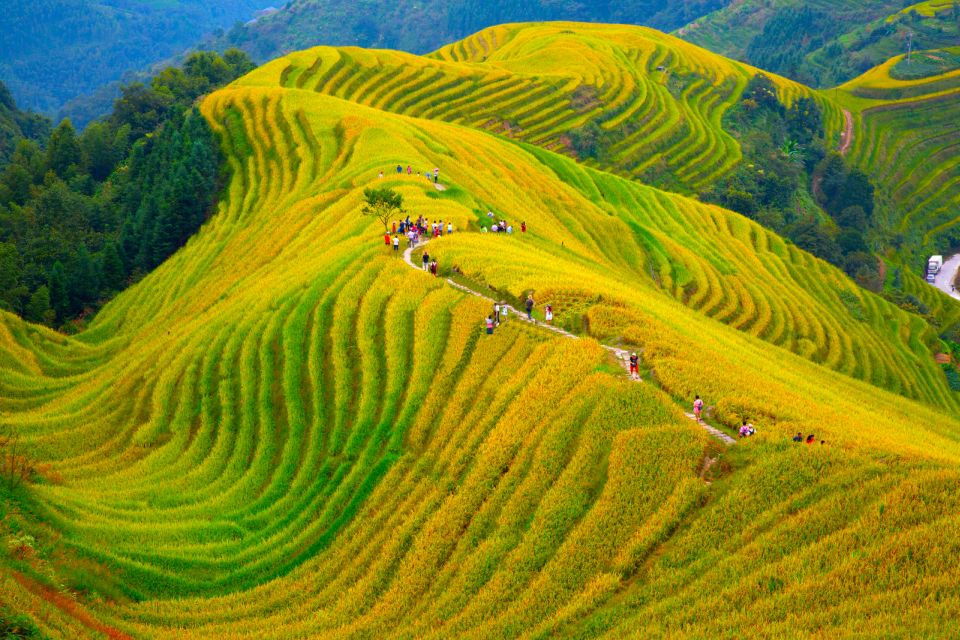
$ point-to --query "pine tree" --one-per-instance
(38, 308)
(63, 150)
(111, 269)
(59, 298)
(83, 280)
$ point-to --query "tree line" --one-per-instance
(85, 214)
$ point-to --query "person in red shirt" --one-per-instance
(523, 227)
(394, 226)
(386, 239)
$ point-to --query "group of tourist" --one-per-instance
(429, 263)
(746, 429)
(501, 310)
(420, 174)
(414, 230)
(810, 439)
(502, 226)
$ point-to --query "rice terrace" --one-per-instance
(564, 330)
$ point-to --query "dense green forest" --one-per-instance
(789, 180)
(422, 27)
(84, 214)
(52, 51)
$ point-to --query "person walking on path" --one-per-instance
(529, 305)
(394, 227)
(549, 314)
(496, 312)
(698, 409)
(426, 260)
(386, 239)
(409, 170)
(503, 312)
(449, 228)
(396, 243)
(433, 267)
(634, 365)
(489, 325)
(436, 174)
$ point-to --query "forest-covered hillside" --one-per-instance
(52, 51)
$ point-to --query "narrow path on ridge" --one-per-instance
(847, 138)
(622, 355)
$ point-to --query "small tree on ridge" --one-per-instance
(384, 204)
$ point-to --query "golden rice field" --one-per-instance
(286, 432)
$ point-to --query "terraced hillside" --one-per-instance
(650, 104)
(908, 136)
(284, 431)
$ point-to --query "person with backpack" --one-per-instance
(529, 305)
(426, 260)
(634, 365)
(698, 409)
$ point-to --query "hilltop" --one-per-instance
(286, 431)
(420, 27)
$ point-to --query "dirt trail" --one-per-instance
(846, 139)
(622, 355)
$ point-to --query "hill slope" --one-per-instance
(285, 431)
(906, 135)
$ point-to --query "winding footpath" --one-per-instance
(846, 139)
(622, 355)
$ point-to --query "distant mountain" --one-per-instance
(52, 51)
(16, 125)
(824, 42)
(420, 27)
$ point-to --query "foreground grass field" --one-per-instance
(285, 432)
